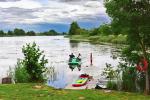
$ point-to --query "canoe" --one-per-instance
(81, 81)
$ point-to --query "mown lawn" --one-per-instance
(29, 92)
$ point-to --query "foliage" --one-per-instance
(2, 33)
(129, 79)
(105, 29)
(21, 75)
(19, 32)
(10, 33)
(132, 16)
(109, 72)
(34, 62)
(94, 32)
(74, 28)
(31, 33)
(111, 85)
(81, 31)
(49, 33)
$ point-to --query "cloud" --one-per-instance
(27, 4)
(52, 11)
(9, 0)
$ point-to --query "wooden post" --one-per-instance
(91, 59)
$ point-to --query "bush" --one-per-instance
(111, 85)
(34, 62)
(112, 75)
(120, 39)
(21, 75)
(129, 79)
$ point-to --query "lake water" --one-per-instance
(57, 49)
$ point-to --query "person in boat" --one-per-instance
(79, 60)
(71, 56)
(79, 57)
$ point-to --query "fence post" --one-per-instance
(91, 59)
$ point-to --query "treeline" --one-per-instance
(21, 32)
(105, 29)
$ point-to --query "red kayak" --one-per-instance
(81, 81)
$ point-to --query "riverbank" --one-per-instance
(100, 39)
(43, 92)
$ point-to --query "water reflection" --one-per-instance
(73, 45)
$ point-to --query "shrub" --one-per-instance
(129, 79)
(111, 85)
(111, 74)
(34, 62)
(21, 75)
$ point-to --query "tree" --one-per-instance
(2, 33)
(34, 62)
(10, 33)
(73, 28)
(31, 33)
(81, 31)
(19, 32)
(52, 32)
(95, 32)
(105, 29)
(134, 15)
(64, 33)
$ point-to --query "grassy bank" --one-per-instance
(30, 92)
(117, 39)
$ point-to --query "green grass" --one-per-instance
(28, 92)
(116, 39)
(79, 38)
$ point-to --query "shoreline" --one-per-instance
(100, 39)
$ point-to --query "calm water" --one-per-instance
(57, 49)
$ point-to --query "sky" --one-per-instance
(43, 15)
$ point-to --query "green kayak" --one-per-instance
(74, 61)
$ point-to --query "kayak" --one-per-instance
(81, 81)
(74, 61)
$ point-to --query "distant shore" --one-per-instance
(99, 39)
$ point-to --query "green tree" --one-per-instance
(31, 33)
(73, 28)
(34, 62)
(2, 33)
(10, 33)
(81, 31)
(105, 29)
(19, 32)
(52, 32)
(64, 33)
(95, 32)
(134, 15)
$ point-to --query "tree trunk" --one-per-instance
(147, 83)
(146, 73)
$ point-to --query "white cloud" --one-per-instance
(27, 4)
(52, 11)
